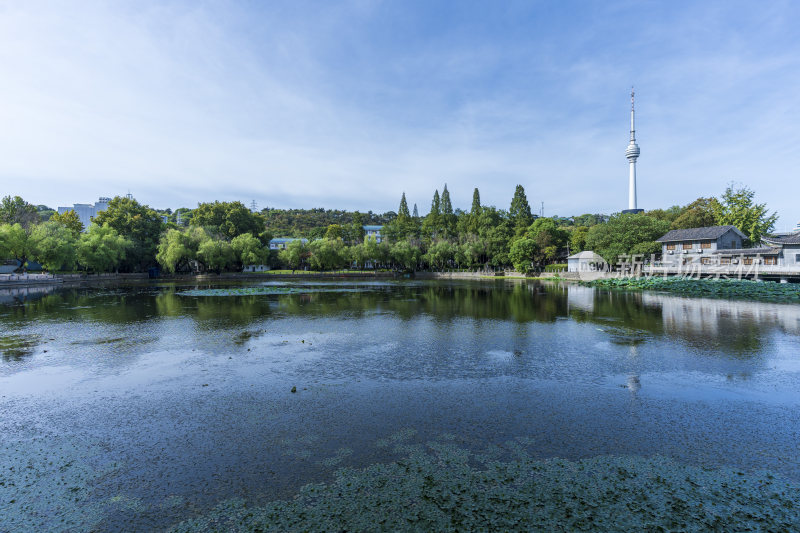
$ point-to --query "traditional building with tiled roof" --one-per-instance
(723, 245)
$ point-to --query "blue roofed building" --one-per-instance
(281, 242)
(373, 232)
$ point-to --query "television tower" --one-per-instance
(632, 153)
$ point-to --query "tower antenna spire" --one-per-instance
(633, 127)
(632, 153)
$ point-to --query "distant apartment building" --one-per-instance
(373, 232)
(85, 212)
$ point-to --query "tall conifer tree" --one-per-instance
(476, 203)
(403, 210)
(520, 211)
(447, 206)
(435, 204)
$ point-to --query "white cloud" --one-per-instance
(188, 102)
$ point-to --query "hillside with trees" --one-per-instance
(225, 236)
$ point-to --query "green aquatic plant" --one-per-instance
(712, 288)
(15, 347)
(267, 291)
(440, 489)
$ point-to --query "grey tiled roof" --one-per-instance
(698, 234)
(768, 250)
(784, 239)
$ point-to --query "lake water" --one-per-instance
(137, 407)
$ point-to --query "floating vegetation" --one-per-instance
(243, 337)
(714, 288)
(440, 490)
(100, 340)
(15, 347)
(267, 291)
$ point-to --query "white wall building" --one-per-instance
(85, 212)
(373, 232)
(586, 261)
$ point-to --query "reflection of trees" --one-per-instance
(16, 347)
(738, 327)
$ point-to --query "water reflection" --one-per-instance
(628, 319)
(191, 397)
(20, 294)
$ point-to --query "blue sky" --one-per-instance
(349, 104)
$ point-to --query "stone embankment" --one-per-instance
(24, 280)
(500, 274)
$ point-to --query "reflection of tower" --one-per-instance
(633, 382)
(632, 153)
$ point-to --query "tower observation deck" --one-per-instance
(632, 153)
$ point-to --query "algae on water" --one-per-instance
(444, 488)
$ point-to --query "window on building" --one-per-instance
(747, 261)
(797, 258)
(724, 260)
(671, 246)
(705, 260)
(688, 246)
(705, 245)
(770, 261)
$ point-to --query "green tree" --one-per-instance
(101, 248)
(178, 248)
(406, 255)
(216, 254)
(356, 234)
(229, 219)
(15, 242)
(334, 232)
(326, 254)
(249, 250)
(495, 230)
(45, 212)
(403, 210)
(403, 226)
(372, 252)
(70, 220)
(476, 203)
(698, 214)
(138, 223)
(520, 211)
(549, 239)
(432, 224)
(294, 255)
(15, 210)
(53, 246)
(439, 254)
(448, 218)
(577, 239)
(737, 208)
(669, 214)
(522, 253)
(589, 220)
(626, 234)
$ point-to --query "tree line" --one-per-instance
(221, 236)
